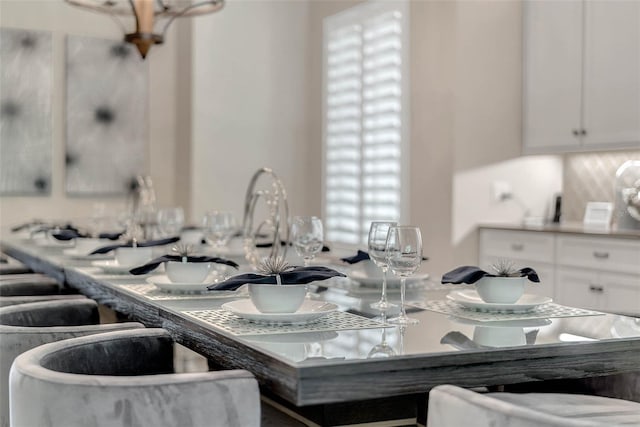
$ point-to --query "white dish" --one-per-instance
(471, 299)
(163, 283)
(362, 278)
(74, 254)
(307, 313)
(111, 266)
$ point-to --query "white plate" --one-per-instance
(308, 312)
(111, 266)
(163, 283)
(74, 254)
(471, 299)
(392, 281)
(54, 244)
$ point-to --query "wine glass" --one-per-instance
(307, 237)
(404, 255)
(219, 226)
(377, 252)
(383, 349)
(170, 221)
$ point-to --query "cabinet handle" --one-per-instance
(595, 288)
(517, 246)
(575, 132)
(583, 132)
(601, 255)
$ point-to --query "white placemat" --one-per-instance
(335, 321)
(545, 311)
(150, 291)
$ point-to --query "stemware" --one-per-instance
(382, 349)
(170, 221)
(219, 227)
(378, 233)
(307, 237)
(404, 255)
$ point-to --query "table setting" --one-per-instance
(498, 296)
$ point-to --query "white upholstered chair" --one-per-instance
(25, 326)
(125, 379)
(451, 406)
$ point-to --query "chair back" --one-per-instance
(26, 326)
(121, 379)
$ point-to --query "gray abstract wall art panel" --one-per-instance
(107, 103)
(25, 112)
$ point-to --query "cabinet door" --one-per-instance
(579, 288)
(552, 75)
(621, 292)
(612, 73)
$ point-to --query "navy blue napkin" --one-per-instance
(148, 243)
(26, 225)
(153, 264)
(295, 276)
(283, 243)
(363, 256)
(360, 256)
(73, 233)
(468, 274)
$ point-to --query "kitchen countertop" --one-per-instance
(570, 228)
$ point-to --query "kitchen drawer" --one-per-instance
(517, 245)
(615, 255)
(611, 292)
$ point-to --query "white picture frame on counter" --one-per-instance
(598, 215)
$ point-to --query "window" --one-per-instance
(365, 105)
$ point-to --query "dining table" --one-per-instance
(350, 365)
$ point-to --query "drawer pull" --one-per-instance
(517, 246)
(601, 255)
(598, 289)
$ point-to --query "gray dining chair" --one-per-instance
(451, 406)
(25, 299)
(28, 284)
(26, 326)
(125, 378)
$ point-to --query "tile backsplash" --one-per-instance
(589, 177)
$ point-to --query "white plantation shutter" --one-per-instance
(365, 77)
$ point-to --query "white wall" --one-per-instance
(61, 19)
(533, 180)
(250, 104)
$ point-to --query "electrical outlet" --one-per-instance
(501, 190)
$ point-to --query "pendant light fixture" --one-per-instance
(152, 17)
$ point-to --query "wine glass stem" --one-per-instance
(306, 261)
(403, 281)
(383, 298)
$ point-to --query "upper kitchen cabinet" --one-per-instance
(581, 86)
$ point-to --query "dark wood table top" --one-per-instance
(330, 367)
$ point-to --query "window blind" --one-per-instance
(363, 119)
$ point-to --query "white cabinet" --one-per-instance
(581, 86)
(598, 272)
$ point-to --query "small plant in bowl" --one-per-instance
(278, 298)
(184, 271)
(505, 285)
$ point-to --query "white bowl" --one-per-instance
(503, 290)
(86, 245)
(277, 298)
(133, 256)
(187, 272)
(499, 337)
